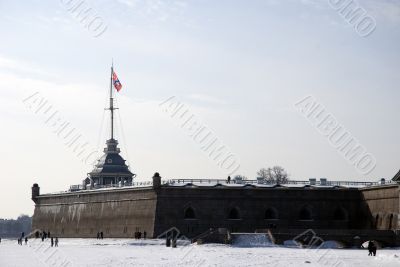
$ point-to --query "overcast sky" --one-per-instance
(238, 66)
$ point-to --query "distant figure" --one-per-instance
(52, 242)
(144, 234)
(371, 249)
(56, 242)
(229, 179)
(101, 235)
(48, 234)
(0, 240)
(42, 238)
(22, 235)
(26, 240)
(98, 235)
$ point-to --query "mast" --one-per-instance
(112, 101)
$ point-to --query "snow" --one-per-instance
(251, 240)
(125, 252)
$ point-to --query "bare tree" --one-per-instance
(263, 173)
(280, 175)
(276, 174)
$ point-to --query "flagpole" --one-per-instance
(112, 101)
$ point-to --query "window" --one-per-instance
(271, 214)
(190, 214)
(305, 214)
(234, 214)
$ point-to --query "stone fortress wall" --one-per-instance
(193, 210)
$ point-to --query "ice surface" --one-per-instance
(125, 252)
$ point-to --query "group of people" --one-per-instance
(138, 235)
(100, 235)
(54, 241)
(44, 235)
(20, 240)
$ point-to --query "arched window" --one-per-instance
(190, 214)
(340, 214)
(305, 214)
(271, 214)
(234, 214)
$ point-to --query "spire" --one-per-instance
(111, 167)
(111, 108)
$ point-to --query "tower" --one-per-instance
(35, 192)
(111, 167)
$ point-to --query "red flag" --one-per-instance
(116, 82)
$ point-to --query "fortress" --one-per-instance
(109, 201)
(340, 213)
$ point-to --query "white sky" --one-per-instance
(238, 65)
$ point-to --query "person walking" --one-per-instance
(56, 242)
(229, 179)
(371, 247)
(52, 242)
(26, 240)
(374, 248)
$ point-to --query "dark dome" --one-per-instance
(111, 163)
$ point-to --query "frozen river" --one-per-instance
(124, 252)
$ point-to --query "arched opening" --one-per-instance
(234, 214)
(190, 214)
(271, 214)
(305, 214)
(340, 214)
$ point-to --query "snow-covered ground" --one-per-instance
(124, 252)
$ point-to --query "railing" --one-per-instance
(272, 183)
(80, 187)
